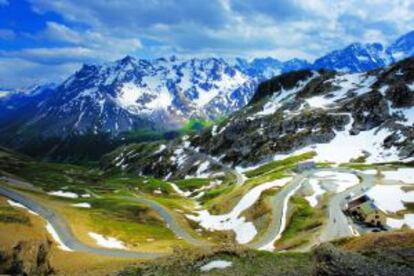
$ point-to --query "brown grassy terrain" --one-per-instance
(381, 240)
(65, 263)
(154, 236)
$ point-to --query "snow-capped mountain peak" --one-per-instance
(164, 93)
(356, 57)
(402, 47)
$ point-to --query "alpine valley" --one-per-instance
(211, 166)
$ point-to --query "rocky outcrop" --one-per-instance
(325, 260)
(27, 258)
(331, 261)
(286, 81)
(304, 109)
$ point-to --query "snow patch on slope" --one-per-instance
(107, 241)
(405, 175)
(345, 147)
(245, 231)
(390, 198)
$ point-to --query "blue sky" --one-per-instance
(47, 40)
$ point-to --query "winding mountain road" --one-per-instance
(169, 220)
(279, 209)
(70, 241)
(240, 178)
(337, 226)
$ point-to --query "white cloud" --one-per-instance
(16, 72)
(82, 46)
(373, 36)
(52, 55)
(279, 28)
(56, 31)
(88, 38)
(237, 26)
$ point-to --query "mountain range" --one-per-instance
(162, 94)
(334, 116)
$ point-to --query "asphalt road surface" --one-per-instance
(338, 224)
(65, 233)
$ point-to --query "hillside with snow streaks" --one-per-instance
(131, 94)
(341, 117)
(164, 93)
(360, 117)
(130, 98)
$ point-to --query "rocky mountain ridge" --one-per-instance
(132, 95)
(360, 117)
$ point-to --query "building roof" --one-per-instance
(358, 201)
(368, 208)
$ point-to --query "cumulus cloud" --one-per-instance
(137, 14)
(91, 45)
(95, 30)
(241, 26)
(16, 72)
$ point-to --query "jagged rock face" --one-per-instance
(342, 117)
(286, 81)
(329, 260)
(320, 110)
(162, 160)
(27, 258)
(132, 94)
(14, 103)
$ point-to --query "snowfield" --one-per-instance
(82, 205)
(359, 83)
(245, 231)
(179, 191)
(370, 172)
(346, 147)
(16, 204)
(398, 223)
(107, 241)
(202, 168)
(390, 198)
(63, 194)
(161, 149)
(337, 181)
(405, 175)
(220, 264)
(329, 181)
